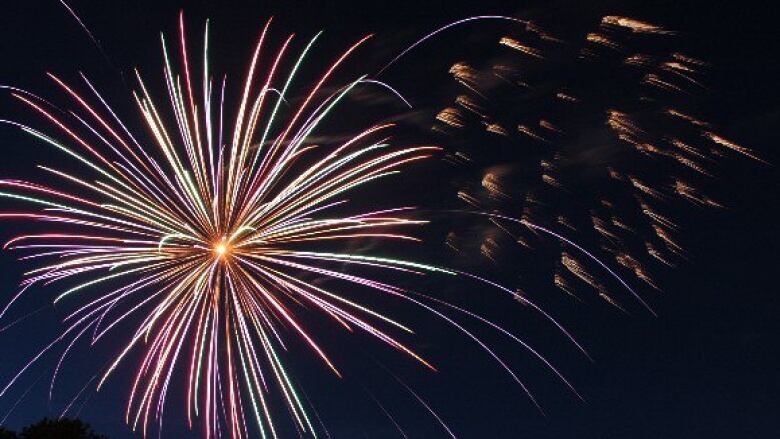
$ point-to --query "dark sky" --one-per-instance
(706, 367)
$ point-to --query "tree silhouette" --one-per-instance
(7, 434)
(56, 428)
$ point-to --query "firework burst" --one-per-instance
(209, 239)
(594, 135)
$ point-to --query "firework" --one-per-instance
(208, 245)
(607, 145)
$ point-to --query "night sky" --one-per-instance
(706, 367)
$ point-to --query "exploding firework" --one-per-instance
(208, 241)
(595, 136)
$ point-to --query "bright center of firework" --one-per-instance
(221, 249)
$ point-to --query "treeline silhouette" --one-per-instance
(54, 429)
